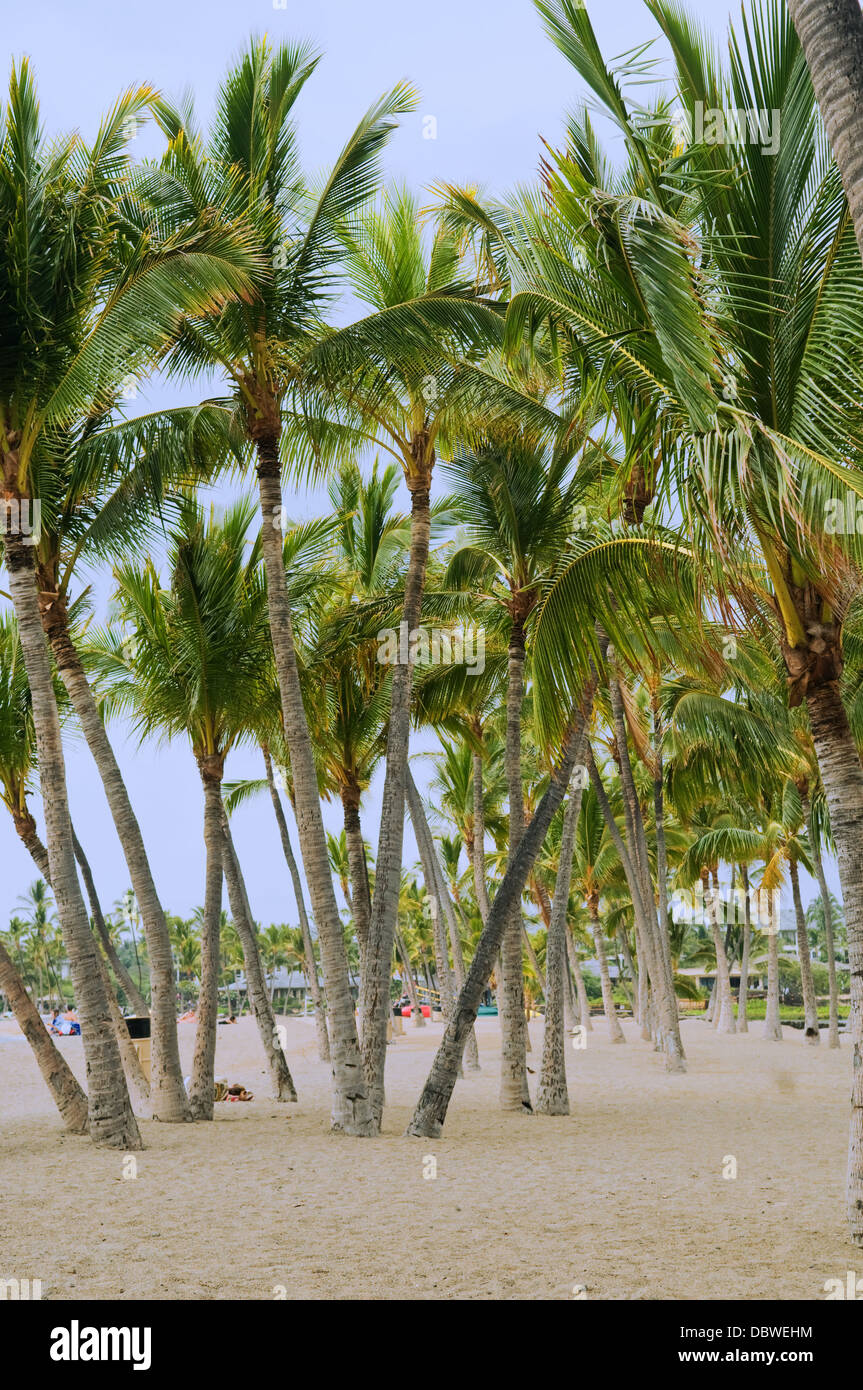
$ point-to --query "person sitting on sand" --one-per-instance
(53, 1026)
(187, 1017)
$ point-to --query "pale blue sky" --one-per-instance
(495, 86)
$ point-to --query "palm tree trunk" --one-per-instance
(168, 1094)
(615, 1032)
(743, 989)
(723, 1019)
(478, 857)
(514, 1092)
(68, 1095)
(137, 1002)
(811, 1030)
(633, 972)
(430, 1112)
(131, 1061)
(299, 898)
(662, 860)
(831, 36)
(361, 903)
(552, 1097)
(204, 1060)
(580, 986)
(112, 1122)
(772, 1021)
(431, 864)
(653, 931)
(388, 865)
(351, 1110)
(256, 985)
(818, 862)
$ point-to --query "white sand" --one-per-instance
(625, 1196)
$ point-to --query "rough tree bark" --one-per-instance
(204, 1059)
(318, 1001)
(351, 1111)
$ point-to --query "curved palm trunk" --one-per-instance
(204, 1059)
(111, 1120)
(811, 1030)
(168, 1094)
(388, 865)
(431, 865)
(430, 1112)
(351, 1110)
(552, 1097)
(833, 1029)
(256, 985)
(59, 1078)
(831, 36)
(137, 1002)
(308, 944)
(743, 988)
(772, 1021)
(514, 1092)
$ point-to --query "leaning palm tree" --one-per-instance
(188, 661)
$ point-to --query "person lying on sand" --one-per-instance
(239, 1093)
(187, 1016)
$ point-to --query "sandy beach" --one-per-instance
(623, 1199)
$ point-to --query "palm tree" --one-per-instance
(89, 300)
(399, 386)
(249, 169)
(518, 502)
(198, 654)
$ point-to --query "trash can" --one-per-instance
(139, 1032)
